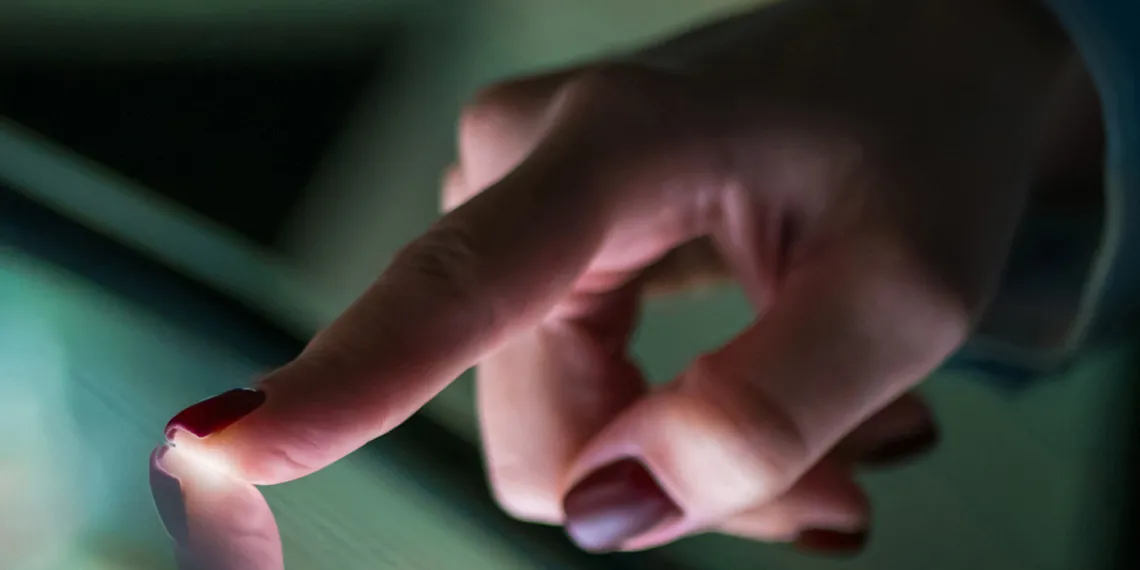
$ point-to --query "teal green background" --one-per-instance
(1014, 485)
(1011, 487)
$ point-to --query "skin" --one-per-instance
(858, 166)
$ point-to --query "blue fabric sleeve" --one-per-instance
(1107, 35)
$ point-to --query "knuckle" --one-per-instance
(522, 488)
(527, 504)
(622, 86)
(495, 115)
(497, 129)
(765, 524)
(771, 438)
(634, 108)
(445, 260)
(453, 189)
(444, 267)
(927, 297)
(524, 484)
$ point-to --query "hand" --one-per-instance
(858, 165)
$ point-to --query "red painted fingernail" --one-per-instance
(833, 542)
(614, 504)
(901, 450)
(217, 413)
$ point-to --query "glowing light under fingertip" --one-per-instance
(188, 456)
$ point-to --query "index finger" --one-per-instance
(495, 264)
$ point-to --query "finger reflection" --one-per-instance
(217, 522)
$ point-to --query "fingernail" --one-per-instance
(833, 542)
(168, 498)
(901, 450)
(217, 413)
(614, 504)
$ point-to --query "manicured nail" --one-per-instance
(832, 542)
(902, 449)
(217, 413)
(168, 498)
(615, 504)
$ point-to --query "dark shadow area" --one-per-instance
(236, 140)
(1121, 492)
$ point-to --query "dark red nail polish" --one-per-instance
(217, 413)
(901, 450)
(168, 498)
(614, 504)
(822, 541)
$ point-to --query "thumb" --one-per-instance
(744, 423)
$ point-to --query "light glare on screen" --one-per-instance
(189, 456)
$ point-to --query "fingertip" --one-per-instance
(247, 435)
(454, 188)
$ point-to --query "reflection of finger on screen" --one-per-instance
(216, 521)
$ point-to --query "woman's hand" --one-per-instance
(858, 165)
